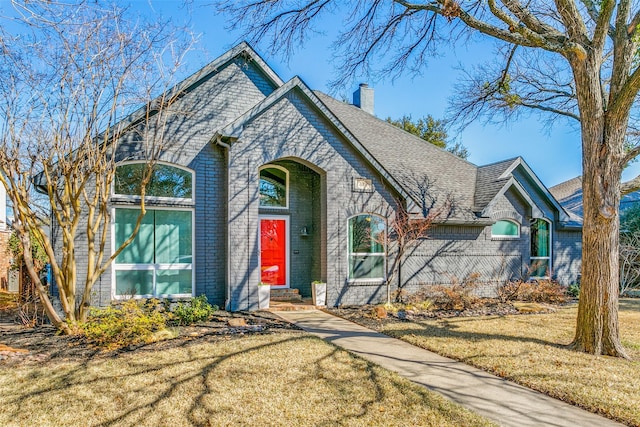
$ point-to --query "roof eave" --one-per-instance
(564, 216)
(233, 130)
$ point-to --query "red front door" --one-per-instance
(273, 251)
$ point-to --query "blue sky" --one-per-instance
(554, 154)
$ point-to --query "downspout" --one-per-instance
(227, 300)
(248, 233)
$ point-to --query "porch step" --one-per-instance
(291, 295)
(306, 304)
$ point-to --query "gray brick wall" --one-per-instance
(322, 166)
(191, 124)
(293, 130)
(567, 256)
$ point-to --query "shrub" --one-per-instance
(541, 291)
(133, 322)
(460, 295)
(573, 290)
(197, 309)
(509, 291)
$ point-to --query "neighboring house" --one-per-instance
(569, 194)
(265, 180)
(5, 233)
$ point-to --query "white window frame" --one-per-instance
(286, 189)
(152, 266)
(505, 236)
(160, 199)
(382, 254)
(548, 258)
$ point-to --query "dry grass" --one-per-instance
(287, 378)
(532, 350)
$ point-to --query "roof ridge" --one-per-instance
(511, 160)
(398, 129)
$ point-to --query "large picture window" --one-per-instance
(273, 187)
(540, 247)
(367, 247)
(158, 262)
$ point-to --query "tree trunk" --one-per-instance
(50, 311)
(602, 149)
(597, 322)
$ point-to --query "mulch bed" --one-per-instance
(19, 345)
(367, 315)
(34, 345)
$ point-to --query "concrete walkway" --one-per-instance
(504, 402)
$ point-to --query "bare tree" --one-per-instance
(408, 231)
(72, 77)
(596, 42)
(629, 261)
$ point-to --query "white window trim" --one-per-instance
(286, 189)
(505, 236)
(152, 266)
(160, 199)
(382, 254)
(548, 258)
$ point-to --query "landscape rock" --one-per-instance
(380, 312)
(237, 322)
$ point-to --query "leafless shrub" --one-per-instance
(541, 291)
(460, 295)
(629, 261)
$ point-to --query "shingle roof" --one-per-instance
(403, 159)
(569, 194)
(489, 182)
(567, 189)
(408, 158)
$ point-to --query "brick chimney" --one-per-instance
(363, 98)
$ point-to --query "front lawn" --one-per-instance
(279, 378)
(532, 350)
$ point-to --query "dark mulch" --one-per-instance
(43, 343)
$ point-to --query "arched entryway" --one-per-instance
(292, 231)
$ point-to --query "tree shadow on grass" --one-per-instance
(449, 329)
(146, 379)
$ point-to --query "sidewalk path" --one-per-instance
(504, 402)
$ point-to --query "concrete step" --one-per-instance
(292, 295)
(305, 304)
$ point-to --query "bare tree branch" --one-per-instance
(71, 72)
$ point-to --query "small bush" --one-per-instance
(134, 322)
(573, 290)
(197, 309)
(541, 291)
(460, 295)
(509, 291)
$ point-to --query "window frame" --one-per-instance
(383, 254)
(159, 199)
(154, 267)
(550, 256)
(286, 185)
(506, 236)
